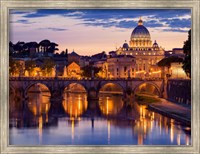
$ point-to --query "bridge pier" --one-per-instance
(93, 108)
(56, 108)
(56, 100)
(92, 94)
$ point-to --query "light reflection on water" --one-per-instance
(79, 125)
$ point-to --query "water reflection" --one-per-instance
(39, 103)
(113, 126)
(75, 104)
(38, 100)
(110, 104)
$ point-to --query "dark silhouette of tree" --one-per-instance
(29, 66)
(44, 44)
(47, 66)
(52, 47)
(87, 71)
(166, 62)
(18, 47)
(28, 46)
(11, 48)
(62, 53)
(187, 52)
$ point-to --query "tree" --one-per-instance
(11, 50)
(27, 46)
(19, 47)
(166, 62)
(14, 67)
(45, 44)
(48, 66)
(29, 66)
(187, 52)
(52, 47)
(87, 71)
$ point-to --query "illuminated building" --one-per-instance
(121, 66)
(146, 54)
(177, 71)
(72, 70)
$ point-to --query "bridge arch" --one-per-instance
(102, 84)
(74, 82)
(35, 83)
(149, 83)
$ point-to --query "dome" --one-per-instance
(140, 31)
(125, 45)
(155, 44)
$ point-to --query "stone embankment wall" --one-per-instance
(179, 91)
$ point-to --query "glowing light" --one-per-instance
(187, 140)
(40, 128)
(172, 132)
(72, 129)
(140, 72)
(108, 131)
(178, 139)
(107, 105)
(156, 72)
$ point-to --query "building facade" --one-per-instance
(73, 70)
(146, 54)
(121, 66)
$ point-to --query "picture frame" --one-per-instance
(6, 5)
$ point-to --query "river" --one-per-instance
(109, 121)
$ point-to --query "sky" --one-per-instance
(90, 31)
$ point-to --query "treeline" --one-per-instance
(27, 49)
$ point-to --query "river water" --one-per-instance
(109, 121)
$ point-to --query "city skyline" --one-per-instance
(91, 31)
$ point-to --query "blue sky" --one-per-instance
(91, 31)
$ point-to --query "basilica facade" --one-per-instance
(145, 53)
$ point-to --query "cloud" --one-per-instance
(23, 21)
(56, 29)
(122, 18)
(177, 30)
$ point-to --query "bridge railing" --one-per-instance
(72, 79)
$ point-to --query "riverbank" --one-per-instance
(172, 110)
(145, 99)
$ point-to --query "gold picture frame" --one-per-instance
(6, 5)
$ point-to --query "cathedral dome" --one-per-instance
(140, 37)
(140, 31)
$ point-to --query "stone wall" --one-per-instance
(179, 91)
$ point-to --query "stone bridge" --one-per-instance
(57, 85)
